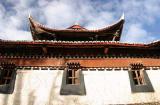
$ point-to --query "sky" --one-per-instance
(142, 17)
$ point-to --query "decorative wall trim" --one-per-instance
(83, 68)
(76, 57)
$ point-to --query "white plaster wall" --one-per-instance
(102, 87)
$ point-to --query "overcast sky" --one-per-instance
(142, 17)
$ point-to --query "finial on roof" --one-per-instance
(76, 23)
(29, 15)
(122, 17)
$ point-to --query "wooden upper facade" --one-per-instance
(88, 53)
(90, 48)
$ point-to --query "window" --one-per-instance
(139, 79)
(7, 77)
(73, 73)
(73, 80)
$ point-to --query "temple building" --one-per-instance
(78, 66)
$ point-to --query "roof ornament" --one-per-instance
(29, 15)
(115, 35)
(122, 16)
(76, 23)
(30, 19)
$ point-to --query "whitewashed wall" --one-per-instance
(102, 87)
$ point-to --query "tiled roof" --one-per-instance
(74, 43)
(84, 43)
(40, 32)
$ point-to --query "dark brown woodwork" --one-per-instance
(44, 50)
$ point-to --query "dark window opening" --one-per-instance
(6, 73)
(7, 77)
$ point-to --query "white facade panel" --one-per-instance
(42, 87)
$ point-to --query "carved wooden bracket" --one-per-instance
(7, 65)
(136, 66)
(73, 65)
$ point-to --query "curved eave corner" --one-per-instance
(32, 26)
(121, 28)
(35, 28)
(116, 27)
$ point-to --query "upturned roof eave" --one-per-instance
(36, 26)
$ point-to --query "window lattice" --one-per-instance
(137, 73)
(73, 73)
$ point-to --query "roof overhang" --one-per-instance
(41, 32)
(79, 44)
